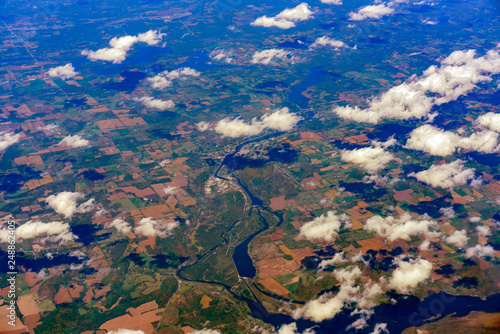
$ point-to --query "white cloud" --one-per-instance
(432, 140)
(159, 82)
(265, 57)
(64, 72)
(286, 18)
(362, 322)
(120, 225)
(490, 120)
(409, 274)
(325, 227)
(126, 331)
(7, 139)
(372, 159)
(328, 306)
(221, 55)
(326, 41)
(380, 328)
(332, 2)
(336, 259)
(65, 203)
(119, 46)
(281, 120)
(448, 212)
(483, 231)
(55, 231)
(292, 329)
(458, 238)
(154, 228)
(151, 102)
(74, 141)
(164, 79)
(446, 175)
(371, 12)
(480, 251)
(170, 190)
(202, 126)
(403, 227)
(78, 254)
(207, 331)
(458, 75)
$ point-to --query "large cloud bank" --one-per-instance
(325, 227)
(432, 140)
(64, 72)
(280, 120)
(56, 231)
(458, 75)
(490, 120)
(446, 175)
(120, 46)
(286, 19)
(65, 203)
(403, 227)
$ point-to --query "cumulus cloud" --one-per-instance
(328, 306)
(126, 331)
(292, 329)
(120, 225)
(372, 159)
(445, 175)
(326, 41)
(336, 259)
(7, 139)
(56, 231)
(221, 55)
(165, 78)
(362, 322)
(65, 203)
(207, 331)
(170, 190)
(480, 251)
(490, 121)
(403, 227)
(428, 138)
(120, 46)
(457, 238)
(74, 141)
(151, 102)
(149, 227)
(64, 72)
(281, 120)
(202, 126)
(325, 227)
(409, 274)
(286, 19)
(370, 12)
(458, 75)
(448, 212)
(332, 2)
(483, 231)
(265, 57)
(380, 328)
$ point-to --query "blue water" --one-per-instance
(315, 77)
